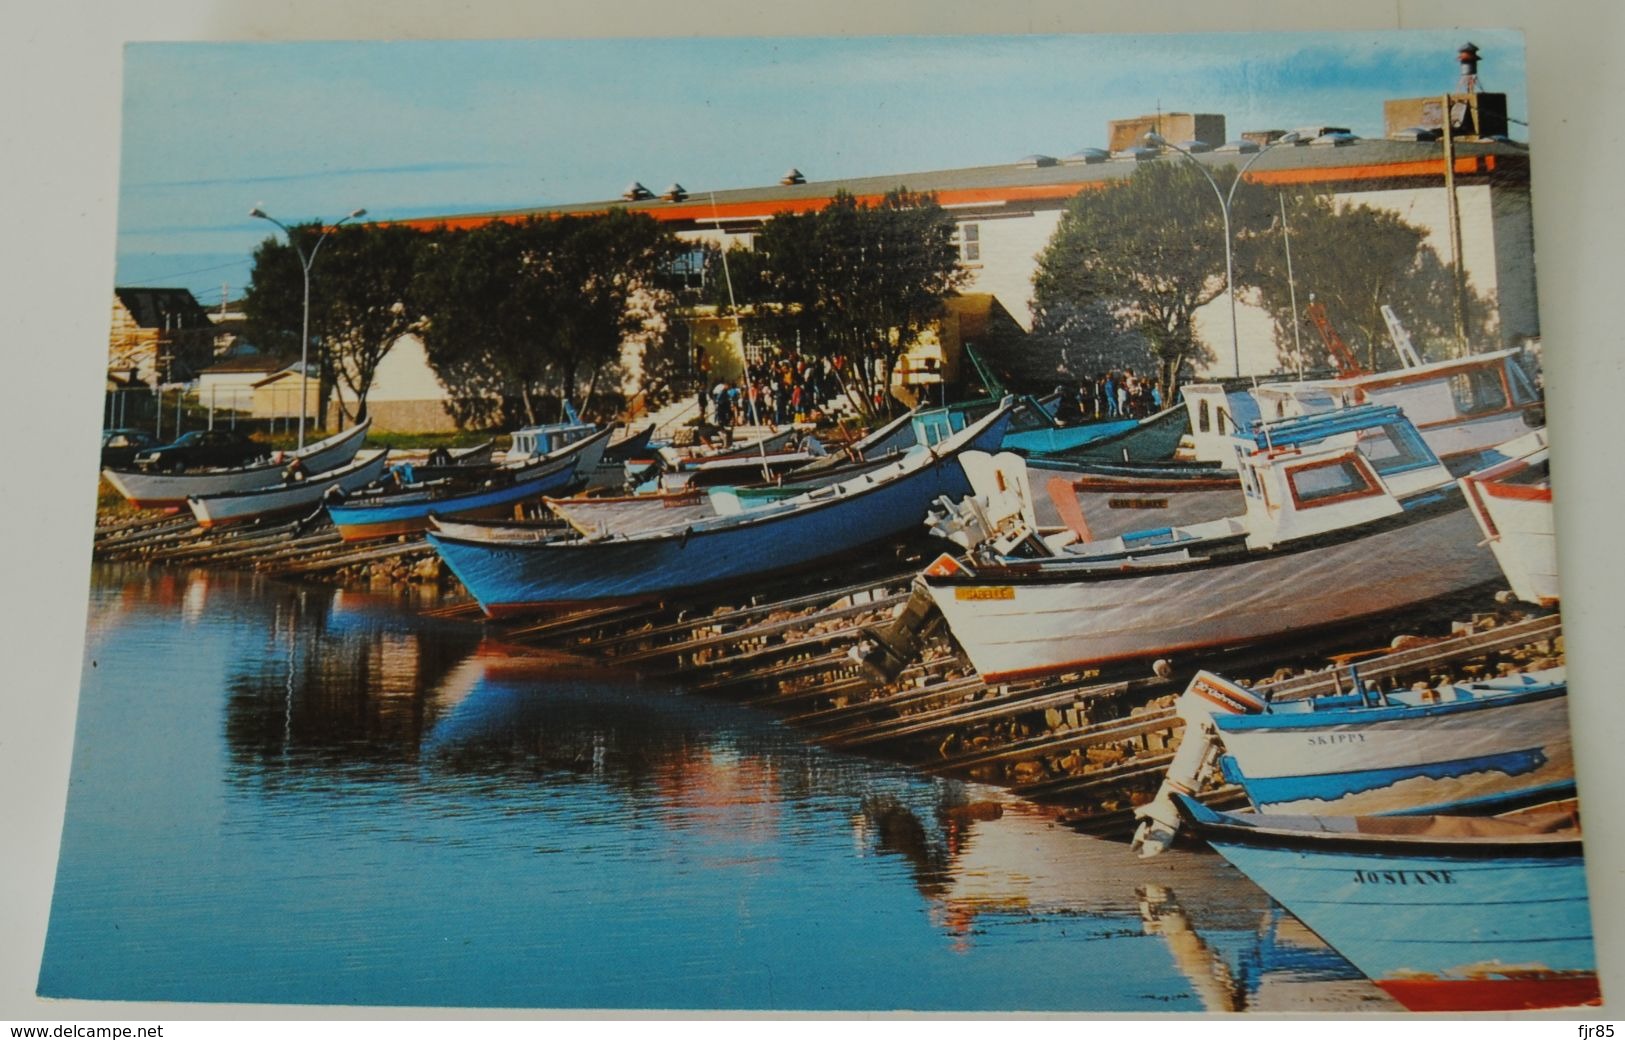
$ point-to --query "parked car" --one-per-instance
(119, 447)
(201, 448)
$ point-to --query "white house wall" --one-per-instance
(1009, 247)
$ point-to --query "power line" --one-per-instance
(152, 283)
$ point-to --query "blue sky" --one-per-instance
(315, 130)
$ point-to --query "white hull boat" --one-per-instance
(243, 506)
(1512, 502)
(171, 490)
(1348, 516)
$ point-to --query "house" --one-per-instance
(405, 395)
(160, 335)
(230, 383)
(277, 395)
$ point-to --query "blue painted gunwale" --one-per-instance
(507, 577)
(418, 504)
(1326, 719)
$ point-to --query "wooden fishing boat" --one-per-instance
(1467, 748)
(234, 507)
(1325, 540)
(1443, 913)
(1512, 502)
(1462, 406)
(519, 569)
(171, 490)
(601, 515)
(454, 463)
(407, 510)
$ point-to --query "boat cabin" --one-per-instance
(546, 439)
(1216, 417)
(1320, 473)
(1461, 405)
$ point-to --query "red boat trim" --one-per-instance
(1559, 989)
(1521, 492)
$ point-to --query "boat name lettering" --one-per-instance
(1136, 503)
(1404, 877)
(1328, 739)
(986, 592)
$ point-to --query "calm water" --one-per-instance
(285, 794)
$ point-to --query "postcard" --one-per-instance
(899, 524)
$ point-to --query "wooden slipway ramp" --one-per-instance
(1095, 744)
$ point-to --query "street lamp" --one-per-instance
(1154, 138)
(304, 339)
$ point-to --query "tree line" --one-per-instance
(519, 317)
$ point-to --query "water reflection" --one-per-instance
(591, 841)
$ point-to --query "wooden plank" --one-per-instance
(1429, 656)
(762, 609)
(758, 631)
(904, 698)
(1133, 769)
(1052, 743)
(330, 563)
(1001, 706)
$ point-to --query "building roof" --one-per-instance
(163, 308)
(1358, 163)
(245, 363)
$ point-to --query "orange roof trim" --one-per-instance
(705, 211)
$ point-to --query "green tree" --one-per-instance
(519, 313)
(1354, 259)
(360, 288)
(850, 281)
(1146, 252)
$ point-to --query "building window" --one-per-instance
(688, 270)
(968, 237)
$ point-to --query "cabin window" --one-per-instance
(1249, 477)
(1324, 482)
(1223, 420)
(1393, 449)
(1202, 418)
(1523, 388)
(1479, 390)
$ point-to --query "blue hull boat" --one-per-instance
(409, 511)
(515, 570)
(1443, 913)
(1472, 748)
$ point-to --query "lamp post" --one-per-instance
(1225, 199)
(304, 338)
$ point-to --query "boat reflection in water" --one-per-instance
(284, 795)
(994, 867)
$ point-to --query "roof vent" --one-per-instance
(1417, 133)
(1335, 138)
(1196, 146)
(792, 176)
(635, 191)
(1088, 155)
(674, 192)
(1139, 153)
(1238, 147)
(1035, 160)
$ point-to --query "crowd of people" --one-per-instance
(1109, 395)
(792, 388)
